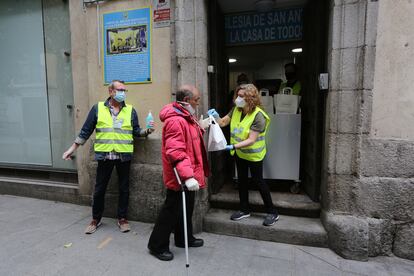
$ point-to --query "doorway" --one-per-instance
(260, 54)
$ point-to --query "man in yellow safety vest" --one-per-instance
(291, 79)
(116, 124)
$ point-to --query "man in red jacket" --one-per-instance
(183, 148)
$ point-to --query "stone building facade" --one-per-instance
(367, 186)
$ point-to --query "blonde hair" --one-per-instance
(251, 96)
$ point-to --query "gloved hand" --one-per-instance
(213, 112)
(204, 123)
(229, 147)
(192, 184)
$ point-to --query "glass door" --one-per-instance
(36, 107)
(24, 120)
(59, 79)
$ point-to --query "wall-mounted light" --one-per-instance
(297, 50)
(232, 60)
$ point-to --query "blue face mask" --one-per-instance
(120, 96)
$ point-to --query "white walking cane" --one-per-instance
(187, 264)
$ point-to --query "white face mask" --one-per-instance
(188, 107)
(240, 102)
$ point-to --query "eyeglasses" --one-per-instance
(121, 90)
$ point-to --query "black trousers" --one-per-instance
(256, 171)
(171, 218)
(103, 174)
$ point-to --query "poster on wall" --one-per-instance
(127, 46)
(254, 28)
(161, 13)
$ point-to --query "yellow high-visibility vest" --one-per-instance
(114, 135)
(295, 89)
(239, 131)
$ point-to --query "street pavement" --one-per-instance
(40, 237)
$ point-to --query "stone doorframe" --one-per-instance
(351, 58)
(359, 189)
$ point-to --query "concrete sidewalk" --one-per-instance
(33, 234)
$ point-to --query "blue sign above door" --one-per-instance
(255, 28)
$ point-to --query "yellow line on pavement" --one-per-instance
(104, 242)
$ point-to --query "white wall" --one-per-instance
(393, 93)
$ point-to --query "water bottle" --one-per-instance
(149, 120)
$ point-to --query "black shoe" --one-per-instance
(194, 243)
(239, 215)
(164, 256)
(270, 219)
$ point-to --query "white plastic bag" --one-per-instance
(216, 139)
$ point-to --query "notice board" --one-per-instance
(127, 46)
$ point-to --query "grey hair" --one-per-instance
(182, 93)
(112, 84)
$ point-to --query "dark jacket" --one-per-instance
(90, 125)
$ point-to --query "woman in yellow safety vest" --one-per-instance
(248, 126)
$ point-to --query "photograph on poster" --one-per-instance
(132, 39)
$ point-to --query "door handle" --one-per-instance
(69, 106)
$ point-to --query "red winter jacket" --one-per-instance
(182, 147)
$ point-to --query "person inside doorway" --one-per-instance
(241, 79)
(292, 81)
(248, 126)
